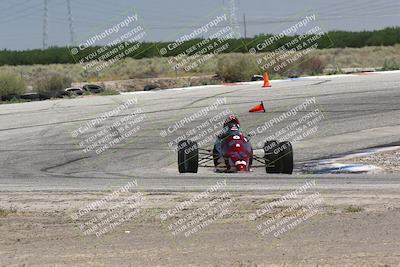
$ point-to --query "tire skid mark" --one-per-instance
(209, 97)
(187, 107)
(321, 82)
(63, 164)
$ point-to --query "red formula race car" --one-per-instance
(237, 156)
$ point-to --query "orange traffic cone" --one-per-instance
(266, 80)
(258, 108)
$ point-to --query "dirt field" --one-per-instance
(346, 229)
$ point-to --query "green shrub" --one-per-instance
(390, 65)
(238, 68)
(109, 92)
(351, 209)
(11, 84)
(52, 84)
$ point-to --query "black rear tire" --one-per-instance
(278, 157)
(188, 157)
(271, 158)
(286, 157)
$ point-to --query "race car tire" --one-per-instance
(278, 157)
(272, 163)
(216, 156)
(286, 157)
(188, 157)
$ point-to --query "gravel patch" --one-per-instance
(388, 161)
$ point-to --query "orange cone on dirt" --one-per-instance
(266, 80)
(258, 108)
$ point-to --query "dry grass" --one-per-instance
(6, 212)
(336, 59)
(228, 67)
(352, 209)
(10, 83)
(367, 57)
(52, 83)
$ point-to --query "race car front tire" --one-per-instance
(188, 157)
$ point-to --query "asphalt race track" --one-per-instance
(38, 150)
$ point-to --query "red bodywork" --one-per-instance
(238, 153)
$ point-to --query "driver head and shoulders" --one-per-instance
(231, 127)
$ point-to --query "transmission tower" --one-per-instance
(45, 22)
(70, 19)
(233, 19)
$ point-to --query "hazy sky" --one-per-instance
(21, 21)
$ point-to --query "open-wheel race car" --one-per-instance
(236, 155)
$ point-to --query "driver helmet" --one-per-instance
(231, 120)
